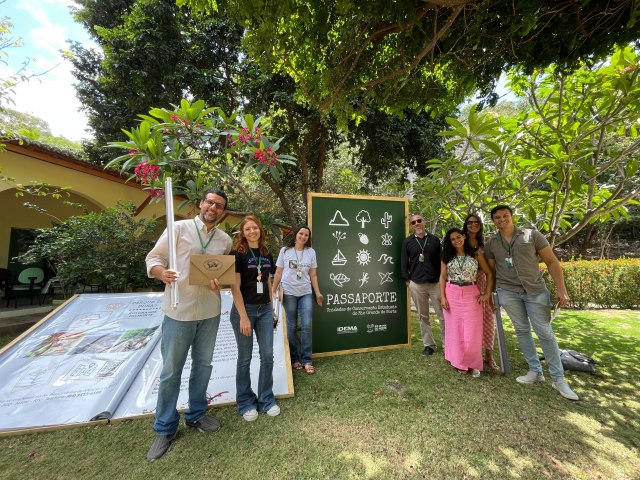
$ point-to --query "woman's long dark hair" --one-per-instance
(480, 234)
(292, 241)
(241, 245)
(448, 250)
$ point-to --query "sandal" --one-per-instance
(297, 365)
(493, 366)
(309, 368)
(475, 373)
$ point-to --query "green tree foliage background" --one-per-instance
(568, 160)
(346, 55)
(139, 69)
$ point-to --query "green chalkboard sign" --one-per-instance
(358, 241)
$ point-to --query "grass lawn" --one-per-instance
(391, 414)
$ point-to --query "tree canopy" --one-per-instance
(153, 54)
(568, 160)
(346, 55)
(137, 71)
(27, 126)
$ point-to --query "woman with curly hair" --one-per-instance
(252, 312)
(461, 302)
(474, 231)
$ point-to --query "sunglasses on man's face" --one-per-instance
(417, 220)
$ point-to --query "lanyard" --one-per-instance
(459, 264)
(422, 247)
(507, 247)
(259, 260)
(426, 242)
(202, 244)
(298, 262)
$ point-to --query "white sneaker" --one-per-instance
(274, 411)
(530, 378)
(565, 390)
(250, 415)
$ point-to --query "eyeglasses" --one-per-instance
(417, 220)
(216, 205)
(473, 222)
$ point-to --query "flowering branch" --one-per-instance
(198, 147)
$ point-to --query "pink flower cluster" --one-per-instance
(177, 118)
(267, 156)
(156, 192)
(147, 173)
(246, 136)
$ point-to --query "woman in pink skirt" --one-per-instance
(473, 230)
(462, 302)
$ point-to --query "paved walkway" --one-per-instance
(16, 320)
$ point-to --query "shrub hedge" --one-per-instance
(603, 283)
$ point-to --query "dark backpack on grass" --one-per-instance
(576, 361)
(572, 360)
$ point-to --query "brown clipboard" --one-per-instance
(204, 268)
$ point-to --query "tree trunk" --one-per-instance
(605, 241)
(284, 201)
(588, 240)
(321, 160)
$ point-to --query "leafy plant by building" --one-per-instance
(106, 249)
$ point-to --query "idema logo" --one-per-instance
(349, 329)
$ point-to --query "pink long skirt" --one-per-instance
(463, 335)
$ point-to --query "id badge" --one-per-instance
(508, 262)
(421, 257)
(259, 288)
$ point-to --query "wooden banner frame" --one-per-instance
(48, 428)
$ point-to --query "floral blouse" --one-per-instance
(462, 269)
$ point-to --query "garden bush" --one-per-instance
(106, 248)
(603, 283)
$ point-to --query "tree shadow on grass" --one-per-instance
(393, 414)
(616, 383)
(495, 428)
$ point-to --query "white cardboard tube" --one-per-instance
(171, 236)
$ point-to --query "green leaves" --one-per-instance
(195, 141)
(346, 56)
(569, 158)
(79, 246)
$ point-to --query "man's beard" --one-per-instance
(211, 219)
(418, 231)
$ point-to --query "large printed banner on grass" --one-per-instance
(98, 357)
(358, 241)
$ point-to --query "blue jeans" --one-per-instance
(261, 318)
(292, 307)
(177, 338)
(527, 310)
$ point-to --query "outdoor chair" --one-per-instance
(29, 285)
(6, 282)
